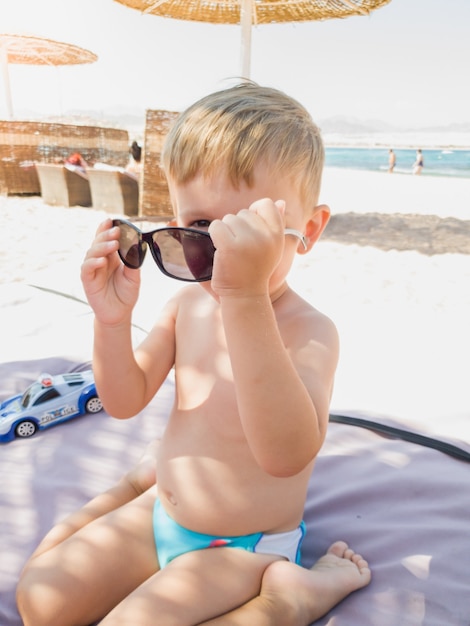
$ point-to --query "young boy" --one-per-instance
(254, 368)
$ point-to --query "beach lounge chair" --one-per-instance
(61, 186)
(18, 178)
(22, 144)
(114, 191)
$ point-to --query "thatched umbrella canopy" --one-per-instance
(29, 50)
(252, 12)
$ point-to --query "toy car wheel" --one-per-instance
(25, 429)
(93, 405)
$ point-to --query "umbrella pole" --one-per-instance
(59, 91)
(6, 81)
(246, 9)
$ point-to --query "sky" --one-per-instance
(406, 63)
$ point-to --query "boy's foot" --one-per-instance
(344, 568)
(333, 577)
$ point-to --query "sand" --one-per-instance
(392, 270)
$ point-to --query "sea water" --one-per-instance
(437, 162)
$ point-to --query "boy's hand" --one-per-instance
(249, 246)
(111, 288)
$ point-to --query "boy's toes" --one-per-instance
(338, 548)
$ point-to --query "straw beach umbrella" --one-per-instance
(29, 50)
(253, 12)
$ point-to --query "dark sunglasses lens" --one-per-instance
(185, 254)
(130, 250)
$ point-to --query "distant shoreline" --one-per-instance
(394, 145)
(398, 140)
(451, 162)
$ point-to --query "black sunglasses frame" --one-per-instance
(147, 238)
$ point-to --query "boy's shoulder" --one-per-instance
(292, 304)
(296, 313)
(191, 296)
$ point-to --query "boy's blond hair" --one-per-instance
(238, 128)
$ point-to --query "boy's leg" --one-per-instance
(293, 596)
(288, 594)
(133, 484)
(193, 588)
(84, 577)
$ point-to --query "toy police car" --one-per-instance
(48, 401)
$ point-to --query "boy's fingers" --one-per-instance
(262, 214)
(281, 206)
(273, 213)
(102, 249)
(107, 224)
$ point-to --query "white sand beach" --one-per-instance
(403, 315)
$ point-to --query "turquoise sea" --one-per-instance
(437, 162)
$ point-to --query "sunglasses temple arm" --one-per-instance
(298, 234)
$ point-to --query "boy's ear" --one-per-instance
(315, 226)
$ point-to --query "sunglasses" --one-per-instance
(182, 253)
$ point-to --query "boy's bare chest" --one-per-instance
(203, 369)
(201, 342)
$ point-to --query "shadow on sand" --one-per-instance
(428, 234)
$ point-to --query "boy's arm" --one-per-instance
(125, 381)
(283, 393)
(283, 383)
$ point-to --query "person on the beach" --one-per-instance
(419, 163)
(217, 539)
(76, 163)
(392, 159)
(134, 167)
